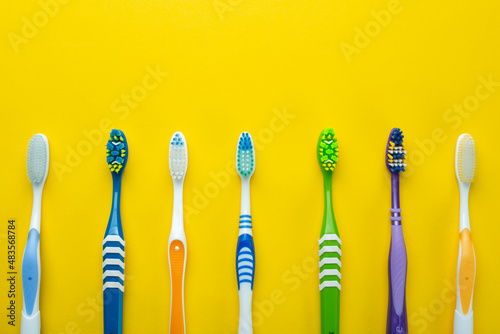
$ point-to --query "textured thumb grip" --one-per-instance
(177, 255)
(466, 271)
(31, 273)
(397, 322)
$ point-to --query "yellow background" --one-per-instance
(278, 70)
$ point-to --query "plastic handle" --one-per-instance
(329, 275)
(245, 271)
(31, 271)
(466, 273)
(177, 259)
(113, 311)
(30, 325)
(463, 324)
(397, 321)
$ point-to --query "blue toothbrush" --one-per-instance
(113, 253)
(245, 252)
(38, 167)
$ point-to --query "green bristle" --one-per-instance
(328, 150)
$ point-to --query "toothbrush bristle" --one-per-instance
(116, 151)
(177, 156)
(328, 150)
(465, 160)
(37, 158)
(245, 155)
(395, 153)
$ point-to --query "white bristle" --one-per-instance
(178, 157)
(465, 159)
(37, 160)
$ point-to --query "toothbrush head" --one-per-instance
(37, 160)
(327, 151)
(465, 158)
(395, 152)
(116, 152)
(178, 157)
(245, 156)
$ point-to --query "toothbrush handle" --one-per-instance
(245, 271)
(329, 275)
(30, 319)
(463, 324)
(113, 311)
(466, 273)
(397, 322)
(113, 277)
(330, 306)
(177, 259)
(30, 325)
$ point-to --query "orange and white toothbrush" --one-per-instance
(465, 165)
(177, 248)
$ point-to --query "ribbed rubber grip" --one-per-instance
(245, 272)
(245, 260)
(113, 277)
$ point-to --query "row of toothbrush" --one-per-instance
(329, 242)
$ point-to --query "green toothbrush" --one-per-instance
(329, 242)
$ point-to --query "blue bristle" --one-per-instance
(117, 151)
(397, 138)
(245, 142)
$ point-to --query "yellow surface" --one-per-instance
(282, 70)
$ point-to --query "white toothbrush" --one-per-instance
(245, 253)
(177, 248)
(465, 166)
(38, 167)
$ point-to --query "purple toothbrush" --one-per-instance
(397, 321)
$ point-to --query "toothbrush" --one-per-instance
(397, 322)
(465, 167)
(38, 167)
(113, 245)
(329, 242)
(177, 248)
(245, 252)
